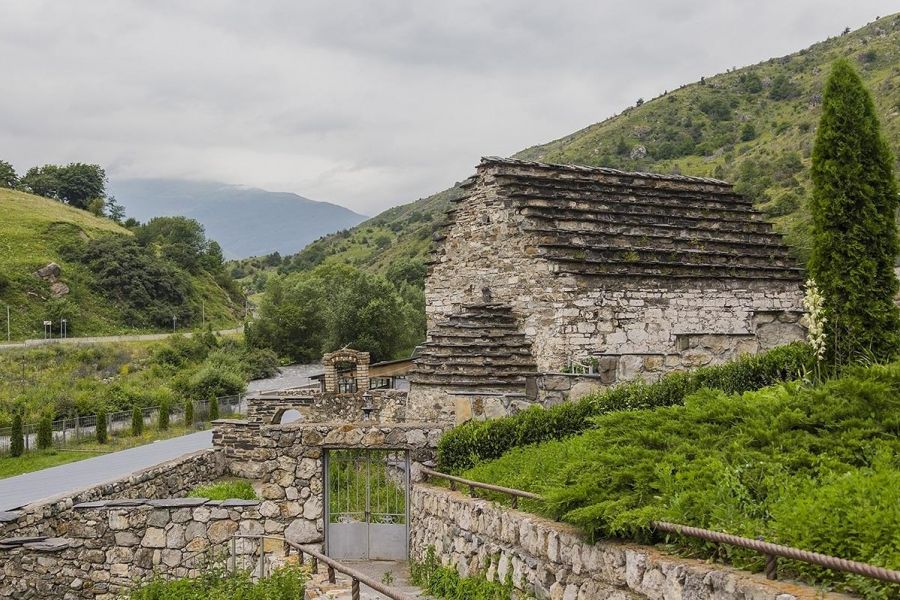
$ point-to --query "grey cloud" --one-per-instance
(359, 102)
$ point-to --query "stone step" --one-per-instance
(586, 217)
(674, 270)
(659, 210)
(755, 247)
(666, 256)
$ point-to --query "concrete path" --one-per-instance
(18, 491)
(397, 579)
(106, 339)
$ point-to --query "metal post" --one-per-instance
(330, 574)
(7, 323)
(262, 559)
(354, 589)
(233, 555)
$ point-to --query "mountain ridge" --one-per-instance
(230, 213)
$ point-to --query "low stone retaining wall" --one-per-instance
(288, 460)
(551, 560)
(169, 479)
(316, 406)
(115, 544)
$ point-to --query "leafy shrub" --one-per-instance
(285, 583)
(815, 468)
(212, 382)
(17, 436)
(137, 421)
(164, 416)
(101, 431)
(466, 445)
(213, 408)
(239, 489)
(45, 431)
(189, 413)
(444, 583)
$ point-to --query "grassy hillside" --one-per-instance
(752, 126)
(34, 232)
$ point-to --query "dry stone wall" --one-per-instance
(113, 545)
(552, 561)
(169, 479)
(288, 461)
(313, 405)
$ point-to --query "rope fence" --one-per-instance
(769, 550)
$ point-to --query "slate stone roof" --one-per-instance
(606, 223)
(479, 347)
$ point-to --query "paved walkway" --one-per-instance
(397, 579)
(21, 490)
(106, 339)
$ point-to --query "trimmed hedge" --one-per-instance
(471, 443)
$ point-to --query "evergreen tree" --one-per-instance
(45, 432)
(137, 421)
(17, 437)
(853, 206)
(213, 408)
(101, 432)
(188, 413)
(164, 415)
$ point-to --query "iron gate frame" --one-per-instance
(368, 522)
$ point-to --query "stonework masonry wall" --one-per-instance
(114, 545)
(551, 560)
(288, 460)
(313, 405)
(169, 479)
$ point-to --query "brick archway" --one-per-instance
(354, 379)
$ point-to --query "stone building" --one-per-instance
(635, 274)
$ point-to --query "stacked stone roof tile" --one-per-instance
(478, 347)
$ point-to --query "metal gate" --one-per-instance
(367, 512)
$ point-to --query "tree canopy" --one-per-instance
(75, 184)
(854, 203)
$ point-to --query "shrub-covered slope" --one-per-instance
(812, 467)
(35, 231)
(752, 126)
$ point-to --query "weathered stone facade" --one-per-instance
(646, 273)
(316, 406)
(552, 561)
(115, 544)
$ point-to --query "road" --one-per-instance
(107, 339)
(18, 491)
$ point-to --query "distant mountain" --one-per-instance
(245, 221)
(752, 126)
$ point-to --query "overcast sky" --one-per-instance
(368, 103)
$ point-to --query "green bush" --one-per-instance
(45, 431)
(189, 413)
(17, 436)
(164, 416)
(444, 583)
(466, 445)
(214, 381)
(137, 421)
(811, 467)
(239, 489)
(285, 583)
(213, 408)
(101, 431)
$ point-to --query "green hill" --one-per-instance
(752, 126)
(36, 231)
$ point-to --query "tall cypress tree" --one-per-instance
(854, 202)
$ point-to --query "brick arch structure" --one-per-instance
(359, 372)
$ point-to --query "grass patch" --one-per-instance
(812, 467)
(285, 583)
(235, 489)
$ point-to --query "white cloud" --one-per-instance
(362, 103)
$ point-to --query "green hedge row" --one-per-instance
(465, 446)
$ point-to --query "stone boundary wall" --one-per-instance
(115, 544)
(288, 460)
(316, 406)
(169, 479)
(551, 560)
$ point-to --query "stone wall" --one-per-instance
(288, 460)
(169, 479)
(551, 560)
(313, 405)
(112, 545)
